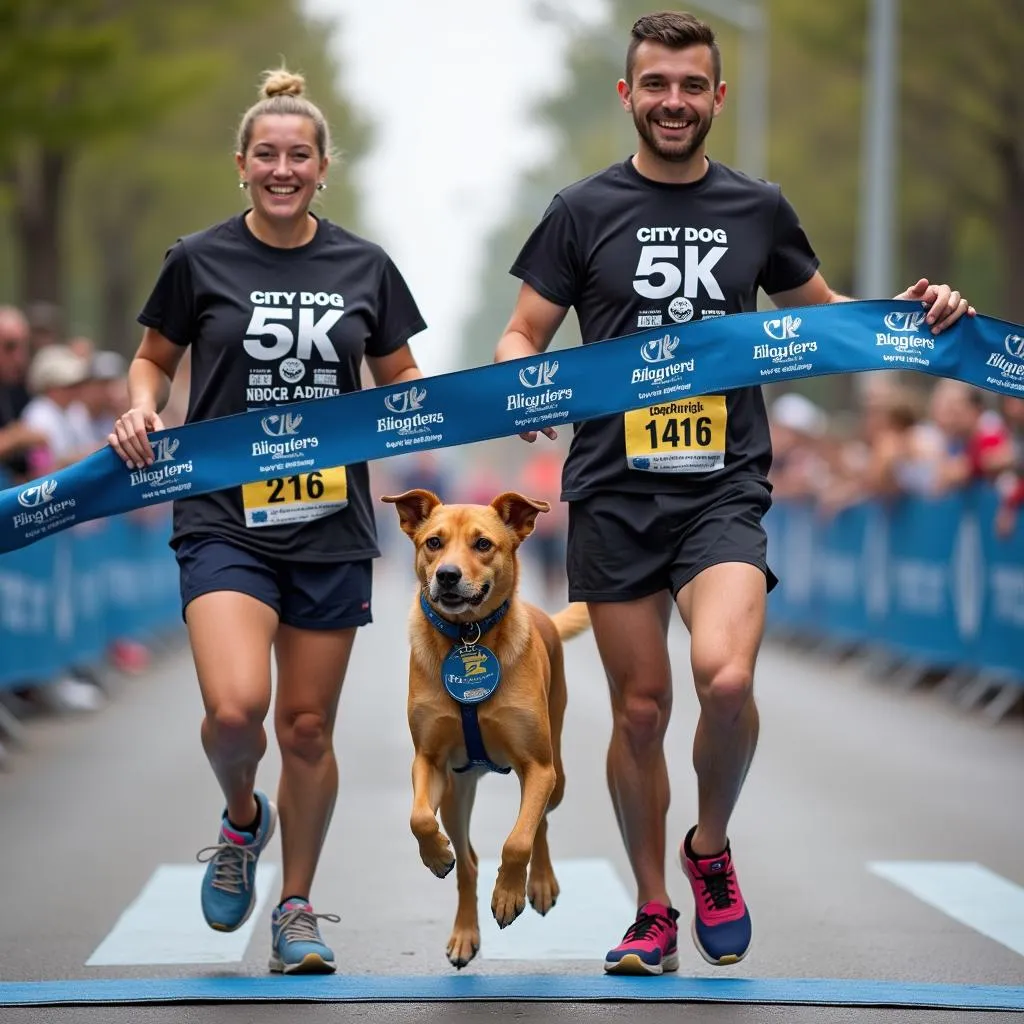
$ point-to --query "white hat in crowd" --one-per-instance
(107, 365)
(800, 414)
(56, 366)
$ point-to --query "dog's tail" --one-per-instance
(572, 620)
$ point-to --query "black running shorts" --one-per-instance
(307, 595)
(622, 547)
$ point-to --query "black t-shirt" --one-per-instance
(268, 327)
(631, 254)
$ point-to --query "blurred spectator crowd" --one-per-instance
(59, 398)
(58, 401)
(907, 437)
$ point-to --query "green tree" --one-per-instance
(963, 146)
(75, 74)
(960, 138)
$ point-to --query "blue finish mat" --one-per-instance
(509, 988)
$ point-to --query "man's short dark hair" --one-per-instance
(676, 30)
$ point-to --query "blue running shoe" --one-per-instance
(229, 885)
(296, 946)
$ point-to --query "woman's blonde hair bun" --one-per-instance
(282, 83)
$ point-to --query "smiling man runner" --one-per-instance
(666, 504)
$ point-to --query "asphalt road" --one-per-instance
(850, 774)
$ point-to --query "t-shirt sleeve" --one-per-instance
(791, 260)
(170, 308)
(551, 259)
(398, 316)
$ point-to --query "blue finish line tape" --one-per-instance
(511, 988)
(664, 368)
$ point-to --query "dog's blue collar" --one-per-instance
(467, 632)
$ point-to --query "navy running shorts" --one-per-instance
(307, 595)
(622, 547)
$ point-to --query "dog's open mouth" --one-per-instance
(453, 601)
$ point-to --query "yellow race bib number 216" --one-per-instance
(295, 499)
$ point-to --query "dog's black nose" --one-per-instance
(448, 575)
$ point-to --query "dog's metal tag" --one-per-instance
(471, 673)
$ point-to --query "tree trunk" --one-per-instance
(117, 286)
(114, 233)
(1012, 160)
(38, 207)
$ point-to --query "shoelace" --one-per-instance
(719, 890)
(230, 861)
(645, 925)
(300, 925)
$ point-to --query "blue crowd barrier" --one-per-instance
(65, 599)
(927, 580)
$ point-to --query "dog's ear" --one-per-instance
(414, 507)
(518, 512)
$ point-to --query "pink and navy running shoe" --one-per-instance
(649, 945)
(721, 923)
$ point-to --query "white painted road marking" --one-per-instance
(164, 924)
(592, 913)
(968, 893)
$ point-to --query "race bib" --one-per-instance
(300, 498)
(684, 436)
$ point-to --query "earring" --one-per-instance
(243, 184)
(320, 186)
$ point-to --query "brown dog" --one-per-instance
(468, 614)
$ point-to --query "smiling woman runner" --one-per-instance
(282, 565)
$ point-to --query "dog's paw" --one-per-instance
(463, 945)
(436, 853)
(542, 891)
(507, 905)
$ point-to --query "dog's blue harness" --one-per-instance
(470, 673)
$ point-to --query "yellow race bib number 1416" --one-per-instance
(299, 498)
(677, 437)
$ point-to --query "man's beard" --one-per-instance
(673, 151)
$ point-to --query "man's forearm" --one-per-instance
(514, 345)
